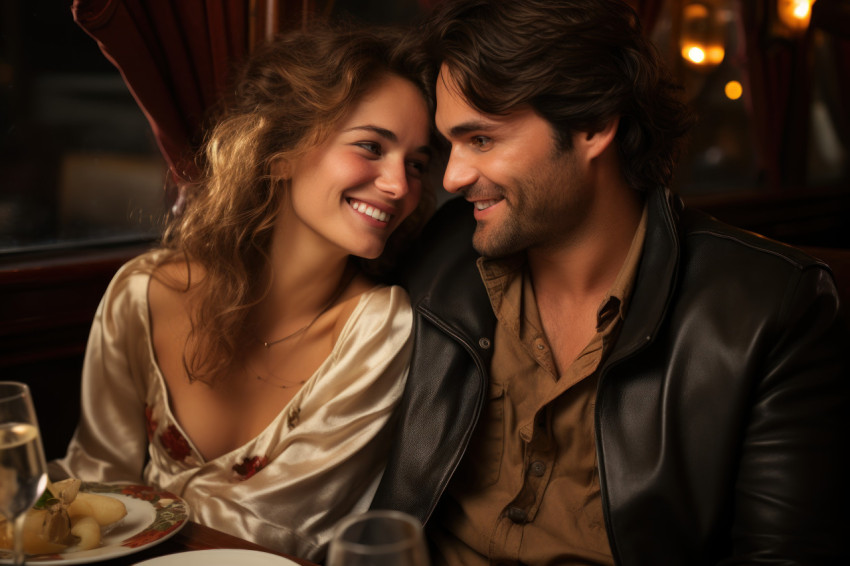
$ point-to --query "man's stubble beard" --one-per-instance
(540, 212)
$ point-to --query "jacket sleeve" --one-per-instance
(791, 500)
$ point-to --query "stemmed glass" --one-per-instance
(23, 471)
(378, 538)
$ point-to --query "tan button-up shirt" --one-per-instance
(527, 491)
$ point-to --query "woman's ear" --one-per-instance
(281, 169)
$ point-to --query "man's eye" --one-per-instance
(481, 142)
(371, 147)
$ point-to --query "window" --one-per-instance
(78, 162)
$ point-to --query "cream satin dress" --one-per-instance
(319, 460)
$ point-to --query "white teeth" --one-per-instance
(369, 210)
(484, 204)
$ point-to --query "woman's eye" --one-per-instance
(371, 147)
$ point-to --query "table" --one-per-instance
(194, 536)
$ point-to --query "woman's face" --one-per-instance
(349, 193)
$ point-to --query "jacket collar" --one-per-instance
(656, 274)
(447, 287)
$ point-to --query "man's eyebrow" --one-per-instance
(390, 135)
(472, 126)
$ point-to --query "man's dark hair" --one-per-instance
(578, 63)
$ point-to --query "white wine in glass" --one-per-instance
(23, 471)
(378, 538)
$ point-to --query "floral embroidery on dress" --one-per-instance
(250, 466)
(175, 444)
(151, 422)
(294, 417)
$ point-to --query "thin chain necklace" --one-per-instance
(294, 334)
(343, 284)
(275, 382)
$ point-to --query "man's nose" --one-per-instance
(459, 173)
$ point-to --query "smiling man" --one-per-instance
(600, 375)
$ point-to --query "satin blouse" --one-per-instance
(317, 461)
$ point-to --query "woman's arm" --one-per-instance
(110, 442)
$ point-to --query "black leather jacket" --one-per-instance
(722, 412)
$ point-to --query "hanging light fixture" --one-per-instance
(794, 14)
(702, 41)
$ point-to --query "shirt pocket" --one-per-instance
(483, 461)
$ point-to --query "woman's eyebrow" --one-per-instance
(389, 135)
(383, 132)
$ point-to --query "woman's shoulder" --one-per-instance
(374, 308)
(171, 281)
(130, 280)
(375, 297)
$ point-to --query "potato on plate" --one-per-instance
(66, 517)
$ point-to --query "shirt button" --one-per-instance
(538, 468)
(484, 343)
(517, 515)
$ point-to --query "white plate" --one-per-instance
(219, 557)
(152, 517)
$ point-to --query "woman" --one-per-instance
(252, 365)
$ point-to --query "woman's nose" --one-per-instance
(393, 180)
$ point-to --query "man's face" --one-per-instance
(527, 193)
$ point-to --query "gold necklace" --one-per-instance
(279, 385)
(294, 334)
(343, 285)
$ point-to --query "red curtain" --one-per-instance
(778, 81)
(780, 75)
(177, 57)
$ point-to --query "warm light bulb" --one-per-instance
(703, 37)
(733, 90)
(795, 14)
(714, 54)
(696, 54)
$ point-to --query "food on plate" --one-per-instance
(103, 509)
(66, 518)
(87, 530)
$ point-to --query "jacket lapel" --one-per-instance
(655, 278)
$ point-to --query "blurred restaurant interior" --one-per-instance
(93, 113)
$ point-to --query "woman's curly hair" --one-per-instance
(289, 97)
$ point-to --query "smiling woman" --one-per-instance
(253, 363)
(347, 195)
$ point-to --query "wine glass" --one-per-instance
(378, 538)
(23, 471)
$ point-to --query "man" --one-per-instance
(604, 376)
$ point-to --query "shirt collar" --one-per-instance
(498, 274)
